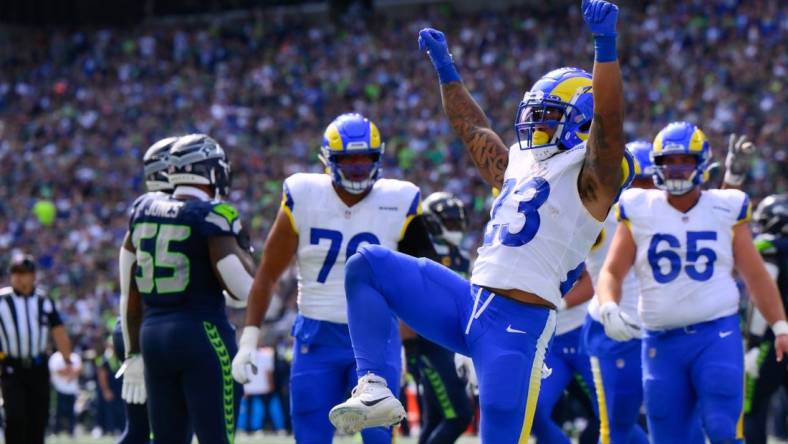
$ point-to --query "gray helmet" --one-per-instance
(197, 159)
(156, 162)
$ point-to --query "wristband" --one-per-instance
(249, 337)
(447, 73)
(605, 48)
(780, 328)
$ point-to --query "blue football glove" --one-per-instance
(601, 18)
(433, 42)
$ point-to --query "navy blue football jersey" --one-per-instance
(452, 257)
(174, 272)
(774, 250)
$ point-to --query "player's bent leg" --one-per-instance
(556, 376)
(508, 342)
(718, 375)
(381, 283)
(317, 383)
(212, 396)
(428, 297)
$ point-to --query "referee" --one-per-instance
(26, 317)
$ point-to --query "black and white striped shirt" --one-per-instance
(25, 322)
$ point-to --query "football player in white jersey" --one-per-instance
(323, 220)
(616, 365)
(556, 190)
(683, 244)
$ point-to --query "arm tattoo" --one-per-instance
(487, 150)
(602, 167)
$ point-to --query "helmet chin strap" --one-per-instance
(545, 153)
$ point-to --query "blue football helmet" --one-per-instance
(155, 164)
(560, 100)
(644, 165)
(352, 134)
(680, 138)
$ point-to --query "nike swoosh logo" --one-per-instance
(373, 402)
(509, 329)
(725, 334)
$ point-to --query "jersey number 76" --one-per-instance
(335, 241)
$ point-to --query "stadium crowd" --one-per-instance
(78, 109)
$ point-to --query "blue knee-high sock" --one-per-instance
(369, 317)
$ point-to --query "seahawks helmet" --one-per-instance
(680, 138)
(445, 216)
(155, 164)
(771, 215)
(197, 159)
(560, 100)
(352, 134)
(644, 165)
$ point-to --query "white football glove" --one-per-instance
(245, 356)
(133, 373)
(617, 324)
(466, 371)
(737, 162)
(751, 363)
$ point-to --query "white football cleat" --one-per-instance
(371, 405)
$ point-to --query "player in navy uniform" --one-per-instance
(445, 407)
(155, 164)
(186, 253)
(764, 374)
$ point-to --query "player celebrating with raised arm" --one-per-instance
(683, 244)
(187, 253)
(556, 190)
(323, 220)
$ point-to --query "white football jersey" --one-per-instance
(630, 291)
(329, 232)
(539, 230)
(684, 261)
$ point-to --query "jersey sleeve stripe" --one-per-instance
(621, 216)
(413, 211)
(287, 207)
(746, 211)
